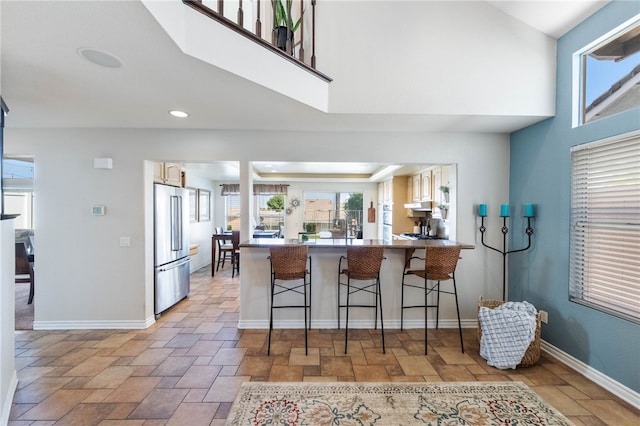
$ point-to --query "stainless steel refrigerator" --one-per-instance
(171, 218)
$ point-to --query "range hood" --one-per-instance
(423, 206)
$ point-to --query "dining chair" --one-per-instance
(289, 274)
(235, 257)
(362, 273)
(23, 268)
(439, 265)
(225, 249)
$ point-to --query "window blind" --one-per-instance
(604, 270)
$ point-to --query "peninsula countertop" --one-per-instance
(324, 263)
(341, 242)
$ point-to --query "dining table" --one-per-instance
(226, 236)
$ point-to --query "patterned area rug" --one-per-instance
(443, 404)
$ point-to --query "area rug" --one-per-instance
(443, 404)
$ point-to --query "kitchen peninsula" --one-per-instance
(325, 255)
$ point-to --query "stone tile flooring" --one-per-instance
(186, 369)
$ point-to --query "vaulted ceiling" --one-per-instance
(47, 84)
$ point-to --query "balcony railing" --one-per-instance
(259, 21)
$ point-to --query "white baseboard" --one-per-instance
(616, 388)
(6, 404)
(97, 325)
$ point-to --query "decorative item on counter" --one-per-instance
(444, 209)
(371, 213)
(504, 214)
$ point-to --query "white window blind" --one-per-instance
(604, 268)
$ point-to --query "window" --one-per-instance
(232, 211)
(337, 212)
(18, 190)
(271, 211)
(610, 73)
(604, 269)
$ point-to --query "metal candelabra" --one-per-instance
(504, 251)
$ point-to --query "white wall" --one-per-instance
(395, 57)
(86, 280)
(8, 378)
(433, 57)
(200, 232)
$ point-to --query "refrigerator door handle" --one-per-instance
(173, 266)
(179, 222)
(175, 223)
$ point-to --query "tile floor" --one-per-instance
(186, 368)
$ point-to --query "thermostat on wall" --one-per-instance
(98, 210)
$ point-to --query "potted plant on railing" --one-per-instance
(283, 26)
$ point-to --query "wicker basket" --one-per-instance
(532, 355)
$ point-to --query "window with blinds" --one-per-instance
(605, 227)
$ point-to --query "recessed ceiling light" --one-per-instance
(100, 57)
(179, 114)
(268, 165)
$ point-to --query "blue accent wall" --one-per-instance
(540, 174)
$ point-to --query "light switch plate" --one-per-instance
(125, 241)
(98, 210)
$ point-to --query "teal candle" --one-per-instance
(528, 210)
(504, 210)
(482, 210)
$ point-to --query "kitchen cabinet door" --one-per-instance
(387, 189)
(168, 173)
(173, 174)
(416, 187)
(425, 189)
(158, 172)
(436, 178)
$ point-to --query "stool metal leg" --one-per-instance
(438, 305)
(379, 297)
(304, 286)
(426, 310)
(346, 324)
(309, 293)
(455, 293)
(402, 304)
(271, 314)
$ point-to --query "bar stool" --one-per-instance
(362, 275)
(288, 264)
(439, 265)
